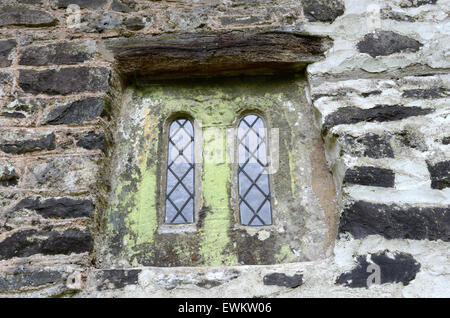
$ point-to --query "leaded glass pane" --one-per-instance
(180, 173)
(254, 190)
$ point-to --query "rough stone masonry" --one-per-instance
(378, 86)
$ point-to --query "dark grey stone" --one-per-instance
(361, 219)
(91, 141)
(446, 140)
(281, 279)
(209, 283)
(24, 16)
(65, 81)
(25, 146)
(5, 78)
(29, 1)
(370, 176)
(55, 54)
(9, 178)
(104, 21)
(323, 10)
(376, 146)
(50, 172)
(29, 278)
(6, 46)
(77, 112)
(416, 3)
(29, 242)
(83, 4)
(391, 15)
(381, 43)
(337, 94)
(21, 109)
(119, 6)
(367, 94)
(411, 139)
(440, 174)
(369, 145)
(117, 278)
(13, 115)
(57, 208)
(401, 269)
(134, 23)
(431, 93)
(379, 113)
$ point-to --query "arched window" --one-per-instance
(253, 178)
(180, 180)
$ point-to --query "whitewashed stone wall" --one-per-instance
(381, 100)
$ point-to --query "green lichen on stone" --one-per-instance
(135, 215)
(215, 184)
(142, 219)
(285, 255)
(209, 107)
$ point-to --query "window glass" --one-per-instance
(180, 173)
(254, 189)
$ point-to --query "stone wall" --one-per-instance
(380, 99)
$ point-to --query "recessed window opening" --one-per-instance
(212, 175)
(253, 178)
(180, 180)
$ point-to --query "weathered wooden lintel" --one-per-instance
(220, 53)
